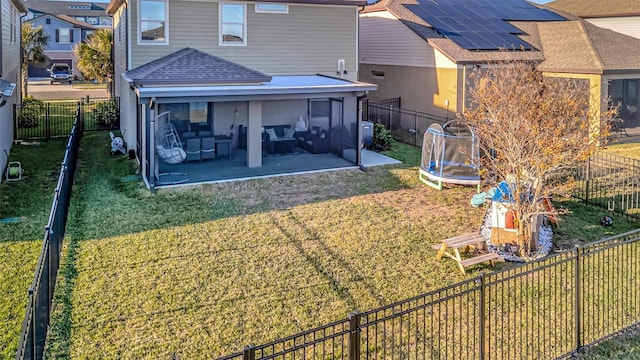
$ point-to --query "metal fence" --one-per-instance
(407, 126)
(34, 328)
(612, 182)
(40, 120)
(546, 309)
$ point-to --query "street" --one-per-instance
(41, 89)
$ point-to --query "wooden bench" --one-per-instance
(466, 242)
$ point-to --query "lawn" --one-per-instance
(631, 150)
(208, 269)
(24, 211)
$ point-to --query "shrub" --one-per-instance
(107, 114)
(30, 112)
(381, 138)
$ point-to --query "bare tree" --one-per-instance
(531, 128)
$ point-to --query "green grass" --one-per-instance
(631, 150)
(28, 200)
(207, 269)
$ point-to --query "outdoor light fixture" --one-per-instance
(6, 90)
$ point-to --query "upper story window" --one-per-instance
(80, 7)
(153, 22)
(272, 8)
(64, 35)
(233, 24)
(93, 20)
(81, 18)
(106, 21)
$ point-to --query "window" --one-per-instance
(106, 21)
(272, 8)
(93, 20)
(64, 36)
(80, 7)
(233, 24)
(47, 21)
(81, 18)
(153, 22)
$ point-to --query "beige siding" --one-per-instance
(10, 72)
(308, 40)
(387, 41)
(120, 38)
(628, 25)
(419, 88)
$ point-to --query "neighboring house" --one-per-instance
(64, 33)
(244, 72)
(92, 13)
(622, 16)
(424, 51)
(412, 51)
(10, 12)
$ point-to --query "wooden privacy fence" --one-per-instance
(546, 309)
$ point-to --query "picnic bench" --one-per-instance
(451, 247)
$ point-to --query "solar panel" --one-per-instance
(481, 24)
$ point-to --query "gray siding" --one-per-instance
(10, 72)
(308, 40)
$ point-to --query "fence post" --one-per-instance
(249, 352)
(588, 176)
(15, 122)
(578, 299)
(482, 315)
(415, 126)
(34, 320)
(47, 129)
(354, 336)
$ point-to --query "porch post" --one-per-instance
(151, 147)
(254, 135)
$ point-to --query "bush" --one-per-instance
(107, 114)
(381, 138)
(30, 112)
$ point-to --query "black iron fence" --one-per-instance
(407, 126)
(546, 309)
(34, 328)
(612, 182)
(43, 120)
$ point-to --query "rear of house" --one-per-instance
(10, 11)
(231, 71)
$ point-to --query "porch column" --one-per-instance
(254, 135)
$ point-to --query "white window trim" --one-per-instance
(60, 35)
(244, 26)
(285, 11)
(166, 24)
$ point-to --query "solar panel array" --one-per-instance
(481, 24)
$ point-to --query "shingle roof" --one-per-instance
(597, 8)
(77, 23)
(581, 47)
(449, 48)
(193, 67)
(62, 7)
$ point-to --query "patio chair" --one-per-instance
(208, 148)
(193, 150)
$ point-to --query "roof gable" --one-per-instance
(193, 67)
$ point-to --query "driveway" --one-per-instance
(41, 89)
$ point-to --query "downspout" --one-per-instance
(359, 112)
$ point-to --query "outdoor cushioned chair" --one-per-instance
(193, 149)
(208, 148)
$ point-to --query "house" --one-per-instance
(10, 12)
(64, 32)
(422, 51)
(263, 88)
(622, 16)
(67, 24)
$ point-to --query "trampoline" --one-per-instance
(450, 154)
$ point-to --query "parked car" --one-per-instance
(60, 72)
